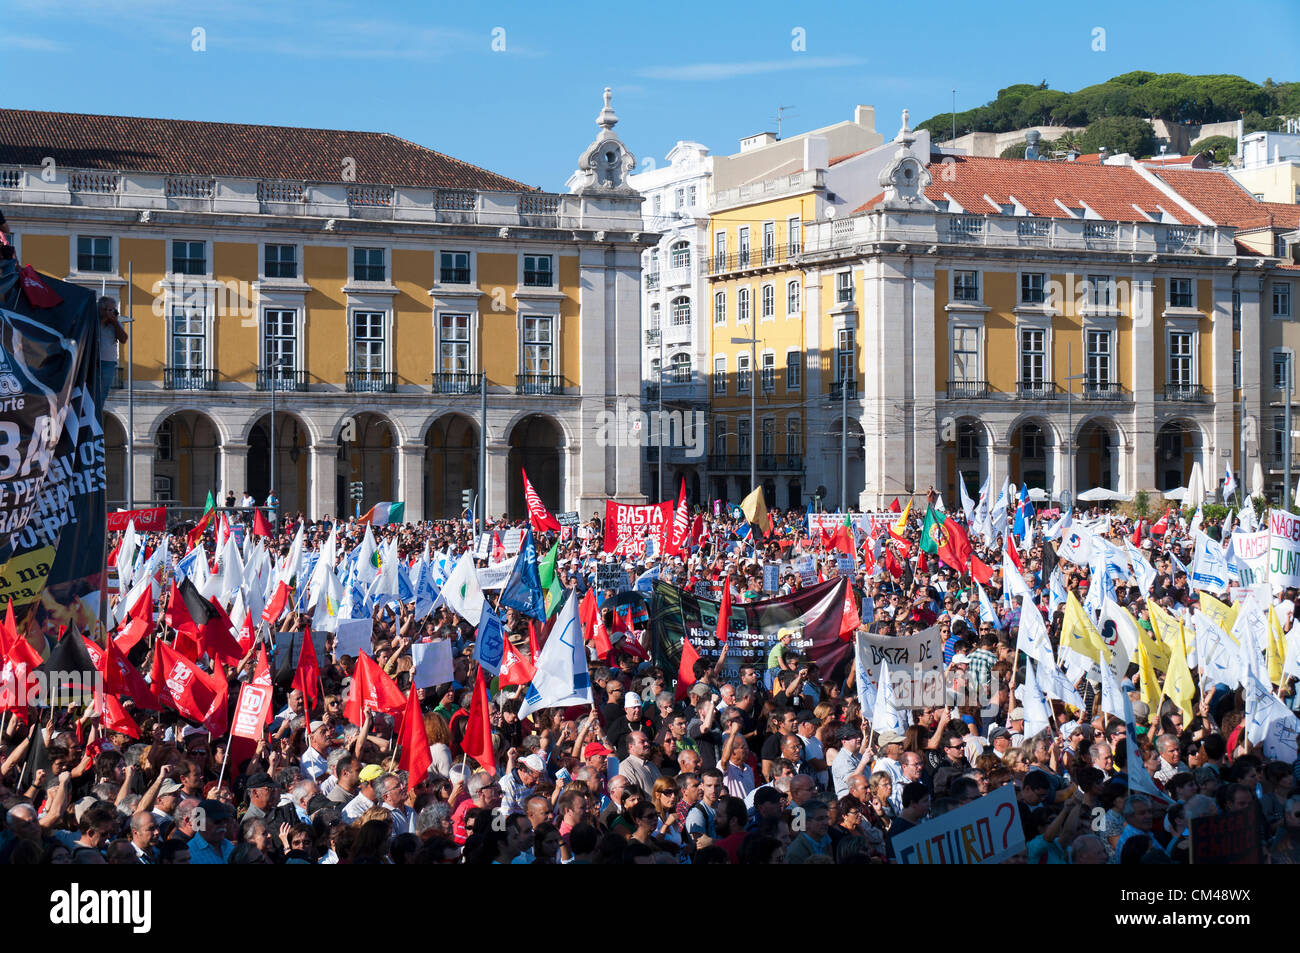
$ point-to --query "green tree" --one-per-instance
(1219, 148)
(1119, 134)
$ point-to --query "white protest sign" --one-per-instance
(1251, 550)
(985, 831)
(512, 539)
(353, 637)
(1284, 548)
(910, 657)
(495, 576)
(432, 663)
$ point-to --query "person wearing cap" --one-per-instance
(520, 779)
(314, 761)
(162, 797)
(596, 757)
(1016, 725)
(1000, 739)
(364, 800)
(629, 721)
(212, 843)
(849, 762)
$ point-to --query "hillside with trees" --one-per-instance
(1175, 97)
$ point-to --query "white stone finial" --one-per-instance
(906, 128)
(607, 119)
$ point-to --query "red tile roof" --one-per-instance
(188, 147)
(1088, 158)
(1223, 199)
(1197, 161)
(1110, 190)
(836, 160)
(869, 204)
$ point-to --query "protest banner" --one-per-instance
(495, 575)
(806, 567)
(627, 526)
(915, 664)
(611, 576)
(567, 520)
(512, 539)
(1251, 550)
(150, 520)
(771, 578)
(353, 637)
(482, 547)
(1283, 548)
(1229, 838)
(433, 664)
(811, 617)
(985, 831)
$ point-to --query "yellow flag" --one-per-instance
(754, 507)
(1156, 650)
(1179, 684)
(1276, 648)
(1225, 616)
(1150, 688)
(900, 524)
(1078, 632)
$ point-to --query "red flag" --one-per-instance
(534, 639)
(537, 513)
(593, 624)
(260, 526)
(498, 547)
(414, 759)
(894, 507)
(195, 536)
(37, 291)
(184, 686)
(686, 669)
(849, 618)
(9, 630)
(95, 652)
(1137, 532)
(139, 621)
(477, 742)
(844, 540)
(892, 565)
(724, 611)
(954, 545)
(279, 602)
(1161, 525)
(922, 564)
(121, 677)
(516, 668)
(1013, 555)
(252, 713)
(681, 525)
(114, 717)
(868, 556)
(262, 678)
(371, 689)
(697, 529)
(308, 671)
(15, 688)
(247, 633)
(980, 571)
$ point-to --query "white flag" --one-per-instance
(1031, 636)
(462, 592)
(1269, 723)
(1038, 714)
(561, 679)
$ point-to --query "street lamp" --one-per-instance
(276, 366)
(1070, 377)
(753, 408)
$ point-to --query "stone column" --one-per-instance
(496, 493)
(1144, 395)
(324, 474)
(141, 465)
(234, 468)
(410, 483)
(999, 468)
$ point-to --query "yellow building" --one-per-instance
(354, 287)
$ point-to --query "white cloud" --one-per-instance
(707, 71)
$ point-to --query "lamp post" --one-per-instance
(1070, 378)
(276, 366)
(753, 407)
(130, 388)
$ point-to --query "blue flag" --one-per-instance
(523, 587)
(489, 641)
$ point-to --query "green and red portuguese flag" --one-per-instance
(196, 534)
(945, 538)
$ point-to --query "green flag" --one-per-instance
(930, 534)
(551, 588)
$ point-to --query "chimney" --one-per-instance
(864, 116)
(1031, 143)
(816, 152)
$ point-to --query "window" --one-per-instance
(768, 302)
(654, 317)
(1098, 358)
(720, 375)
(720, 307)
(768, 447)
(537, 345)
(742, 373)
(744, 247)
(1181, 369)
(1033, 357)
(681, 369)
(655, 375)
(658, 204)
(679, 256)
(165, 446)
(845, 354)
(719, 251)
(368, 341)
(720, 436)
(1031, 288)
(690, 196)
(1279, 435)
(453, 268)
(968, 442)
(189, 338)
(742, 436)
(843, 287)
(793, 237)
(1236, 311)
(1279, 247)
(1281, 361)
(537, 271)
(1236, 369)
(768, 370)
(368, 264)
(793, 370)
(1031, 442)
(1281, 299)
(965, 286)
(792, 289)
(189, 258)
(1101, 291)
(1180, 293)
(769, 242)
(742, 304)
(279, 341)
(679, 198)
(94, 253)
(965, 354)
(280, 261)
(681, 312)
(453, 344)
(793, 436)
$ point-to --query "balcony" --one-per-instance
(189, 378)
(371, 382)
(651, 280)
(967, 390)
(1102, 390)
(281, 379)
(775, 257)
(765, 462)
(453, 276)
(456, 382)
(539, 385)
(539, 279)
(1187, 393)
(1036, 390)
(841, 390)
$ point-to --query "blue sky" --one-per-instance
(711, 72)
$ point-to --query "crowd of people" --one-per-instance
(755, 764)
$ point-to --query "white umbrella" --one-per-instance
(1177, 493)
(1256, 480)
(1195, 485)
(1038, 494)
(1101, 494)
